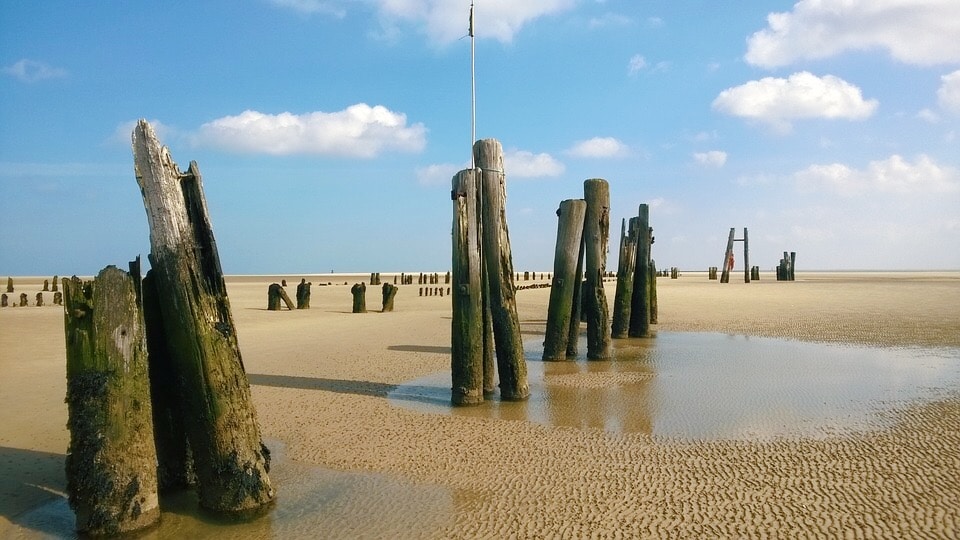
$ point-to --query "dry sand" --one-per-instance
(321, 378)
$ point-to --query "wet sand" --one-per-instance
(322, 381)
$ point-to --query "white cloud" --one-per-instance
(777, 101)
(599, 147)
(440, 174)
(948, 95)
(312, 6)
(922, 32)
(357, 131)
(928, 116)
(444, 21)
(636, 64)
(892, 175)
(523, 164)
(30, 71)
(712, 158)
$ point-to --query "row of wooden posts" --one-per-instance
(5, 300)
(46, 285)
(157, 395)
(785, 270)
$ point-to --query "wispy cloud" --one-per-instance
(359, 131)
(636, 64)
(713, 158)
(777, 102)
(892, 175)
(524, 164)
(31, 71)
(948, 95)
(922, 32)
(599, 147)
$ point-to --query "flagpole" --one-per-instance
(473, 88)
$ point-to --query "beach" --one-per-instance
(376, 453)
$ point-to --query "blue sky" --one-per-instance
(327, 131)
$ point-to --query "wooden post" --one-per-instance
(576, 314)
(39, 299)
(654, 312)
(9, 284)
(275, 293)
(746, 257)
(793, 266)
(303, 294)
(640, 303)
(727, 259)
(230, 460)
(569, 238)
(389, 292)
(46, 285)
(625, 268)
(359, 291)
(4, 301)
(53, 286)
(488, 155)
(111, 461)
(596, 233)
(467, 327)
(23, 299)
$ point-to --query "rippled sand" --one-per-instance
(321, 380)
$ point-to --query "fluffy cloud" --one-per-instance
(892, 175)
(523, 164)
(357, 131)
(949, 92)
(922, 32)
(599, 147)
(439, 174)
(444, 21)
(777, 101)
(713, 158)
(30, 71)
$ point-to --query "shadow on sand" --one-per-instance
(416, 393)
(31, 478)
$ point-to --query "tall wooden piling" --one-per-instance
(111, 462)
(230, 460)
(654, 307)
(746, 257)
(640, 301)
(625, 268)
(596, 233)
(466, 363)
(728, 258)
(488, 156)
(569, 237)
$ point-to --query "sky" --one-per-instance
(327, 131)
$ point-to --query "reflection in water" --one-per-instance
(704, 386)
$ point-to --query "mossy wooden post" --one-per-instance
(654, 308)
(576, 313)
(625, 268)
(389, 291)
(230, 460)
(359, 291)
(111, 461)
(569, 237)
(276, 293)
(596, 233)
(727, 258)
(640, 302)
(747, 270)
(174, 466)
(466, 362)
(488, 156)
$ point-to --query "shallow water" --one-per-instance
(677, 385)
(715, 386)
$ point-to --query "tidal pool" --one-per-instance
(715, 386)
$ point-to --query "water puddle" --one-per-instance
(715, 386)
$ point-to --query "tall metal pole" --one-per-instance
(473, 88)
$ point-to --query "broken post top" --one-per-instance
(488, 155)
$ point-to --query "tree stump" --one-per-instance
(230, 460)
(111, 460)
(276, 293)
(467, 336)
(359, 292)
(389, 292)
(569, 237)
(488, 155)
(596, 232)
(303, 294)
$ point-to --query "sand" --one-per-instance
(321, 380)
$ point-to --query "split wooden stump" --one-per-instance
(388, 292)
(565, 278)
(276, 293)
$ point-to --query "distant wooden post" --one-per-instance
(39, 299)
(57, 298)
(488, 156)
(576, 314)
(359, 291)
(793, 266)
(727, 259)
(4, 301)
(467, 326)
(23, 299)
(640, 303)
(303, 294)
(569, 238)
(9, 284)
(54, 286)
(111, 462)
(389, 291)
(275, 293)
(46, 285)
(230, 460)
(596, 233)
(746, 257)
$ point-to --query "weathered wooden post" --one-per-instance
(793, 266)
(746, 257)
(230, 460)
(488, 156)
(58, 298)
(9, 284)
(359, 291)
(596, 233)
(53, 286)
(727, 259)
(4, 300)
(111, 463)
(640, 303)
(275, 293)
(303, 294)
(576, 314)
(39, 299)
(23, 299)
(569, 237)
(467, 370)
(46, 285)
(654, 312)
(389, 292)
